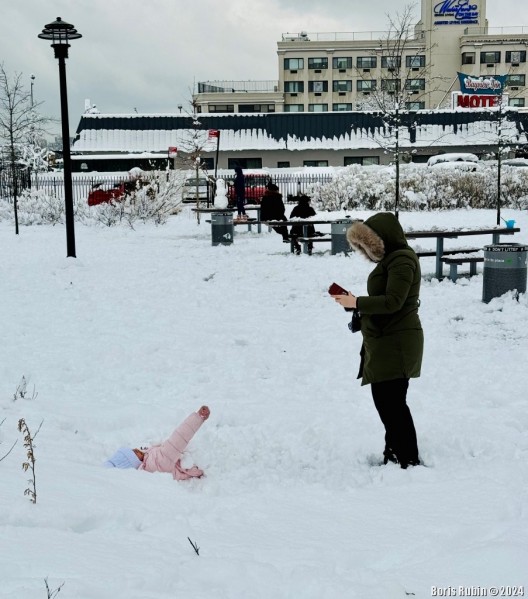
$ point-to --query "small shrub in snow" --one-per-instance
(30, 454)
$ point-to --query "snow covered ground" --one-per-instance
(145, 326)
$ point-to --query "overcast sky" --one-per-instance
(147, 54)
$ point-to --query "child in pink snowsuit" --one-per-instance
(165, 457)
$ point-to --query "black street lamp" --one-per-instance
(60, 33)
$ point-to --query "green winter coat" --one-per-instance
(391, 329)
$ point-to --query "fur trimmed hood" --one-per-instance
(377, 237)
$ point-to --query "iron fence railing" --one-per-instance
(290, 184)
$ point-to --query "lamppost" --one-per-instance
(32, 81)
(60, 33)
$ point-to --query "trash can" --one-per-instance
(339, 229)
(504, 269)
(222, 229)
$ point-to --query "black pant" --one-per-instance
(400, 436)
(281, 231)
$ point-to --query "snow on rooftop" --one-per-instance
(158, 140)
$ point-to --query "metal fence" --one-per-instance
(13, 185)
(290, 184)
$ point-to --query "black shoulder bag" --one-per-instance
(355, 324)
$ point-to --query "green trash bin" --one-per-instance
(222, 228)
(504, 269)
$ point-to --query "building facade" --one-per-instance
(414, 64)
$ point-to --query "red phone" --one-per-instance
(336, 289)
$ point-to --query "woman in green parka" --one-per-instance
(392, 334)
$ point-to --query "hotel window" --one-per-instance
(293, 107)
(366, 62)
(221, 108)
(293, 64)
(342, 63)
(414, 105)
(415, 62)
(490, 57)
(415, 84)
(341, 107)
(317, 107)
(318, 63)
(317, 87)
(390, 62)
(342, 85)
(516, 56)
(390, 85)
(517, 102)
(516, 80)
(368, 85)
(468, 57)
(294, 87)
(315, 162)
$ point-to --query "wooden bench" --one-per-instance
(306, 241)
(455, 261)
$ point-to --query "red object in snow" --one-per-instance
(100, 196)
(214, 133)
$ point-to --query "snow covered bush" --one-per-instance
(422, 188)
(38, 207)
(152, 200)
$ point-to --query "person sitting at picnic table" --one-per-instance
(302, 210)
(272, 208)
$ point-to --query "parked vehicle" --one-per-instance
(256, 183)
(459, 160)
(100, 195)
(190, 189)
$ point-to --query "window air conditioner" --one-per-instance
(342, 70)
(344, 93)
(366, 70)
(514, 88)
(317, 70)
(415, 69)
(317, 93)
(515, 64)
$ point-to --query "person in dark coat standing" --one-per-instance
(302, 210)
(392, 333)
(272, 208)
(240, 192)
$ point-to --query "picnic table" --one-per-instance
(249, 222)
(337, 236)
(442, 234)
